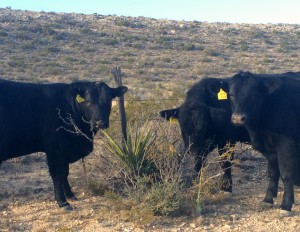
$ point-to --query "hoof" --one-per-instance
(285, 213)
(73, 198)
(265, 205)
(66, 207)
(226, 194)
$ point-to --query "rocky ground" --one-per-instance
(27, 204)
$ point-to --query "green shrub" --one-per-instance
(150, 165)
(17, 62)
(131, 153)
(188, 47)
(3, 34)
(163, 198)
(53, 49)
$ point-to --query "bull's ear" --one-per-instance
(119, 91)
(273, 84)
(78, 95)
(170, 114)
(219, 90)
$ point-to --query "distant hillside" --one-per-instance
(161, 54)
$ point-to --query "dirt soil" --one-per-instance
(27, 203)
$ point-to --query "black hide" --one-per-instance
(268, 105)
(58, 119)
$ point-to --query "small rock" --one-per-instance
(182, 224)
(193, 225)
(234, 217)
(227, 227)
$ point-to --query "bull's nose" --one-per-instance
(238, 118)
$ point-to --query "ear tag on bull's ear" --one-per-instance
(222, 95)
(79, 99)
(173, 120)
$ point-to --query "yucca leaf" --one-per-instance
(131, 152)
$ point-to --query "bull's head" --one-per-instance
(94, 101)
(249, 94)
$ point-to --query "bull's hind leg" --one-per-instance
(66, 187)
(287, 167)
(288, 194)
(58, 173)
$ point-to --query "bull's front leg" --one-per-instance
(272, 190)
(58, 173)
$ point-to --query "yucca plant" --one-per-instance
(132, 153)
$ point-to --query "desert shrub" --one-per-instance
(17, 62)
(124, 22)
(284, 46)
(53, 49)
(22, 36)
(53, 71)
(3, 34)
(211, 52)
(132, 154)
(28, 45)
(70, 59)
(209, 177)
(60, 36)
(150, 163)
(109, 41)
(243, 45)
(86, 31)
(163, 198)
(102, 69)
(256, 33)
(188, 46)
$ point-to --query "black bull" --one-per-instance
(58, 119)
(268, 105)
(205, 116)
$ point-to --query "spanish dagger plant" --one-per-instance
(132, 152)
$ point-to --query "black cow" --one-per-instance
(269, 107)
(205, 123)
(58, 119)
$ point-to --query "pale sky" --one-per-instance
(232, 11)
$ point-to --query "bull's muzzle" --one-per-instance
(238, 118)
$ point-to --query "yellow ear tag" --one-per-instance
(173, 120)
(222, 95)
(79, 99)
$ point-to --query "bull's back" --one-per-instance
(24, 109)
